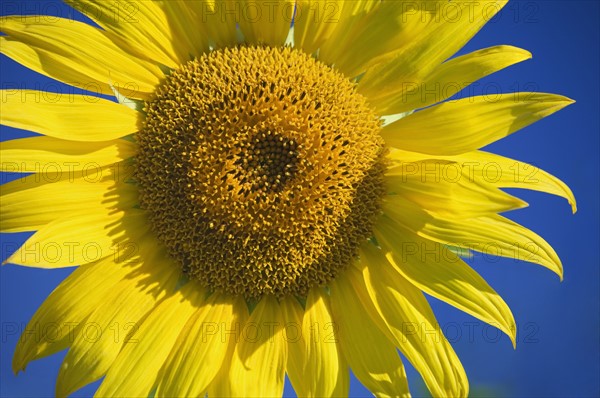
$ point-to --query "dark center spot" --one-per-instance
(268, 160)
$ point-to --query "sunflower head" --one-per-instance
(290, 202)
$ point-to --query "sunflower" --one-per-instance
(261, 188)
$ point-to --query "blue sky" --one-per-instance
(558, 350)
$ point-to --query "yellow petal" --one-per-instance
(200, 350)
(370, 354)
(36, 154)
(258, 363)
(411, 322)
(77, 54)
(83, 238)
(464, 125)
(29, 203)
(492, 235)
(218, 20)
(134, 372)
(221, 384)
(434, 32)
(293, 314)
(317, 20)
(433, 268)
(266, 22)
(373, 30)
(451, 77)
(326, 370)
(52, 327)
(504, 172)
(67, 117)
(440, 187)
(139, 27)
(193, 41)
(99, 340)
(478, 167)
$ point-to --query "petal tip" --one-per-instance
(563, 101)
(573, 204)
(526, 55)
(559, 271)
(18, 364)
(513, 336)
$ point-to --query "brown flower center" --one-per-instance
(261, 170)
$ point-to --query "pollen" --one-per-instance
(261, 170)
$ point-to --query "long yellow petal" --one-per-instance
(436, 270)
(83, 238)
(29, 203)
(492, 235)
(36, 154)
(77, 54)
(134, 372)
(374, 30)
(451, 77)
(67, 117)
(266, 22)
(326, 370)
(332, 28)
(194, 41)
(139, 27)
(52, 327)
(218, 20)
(504, 172)
(412, 324)
(258, 363)
(478, 167)
(370, 354)
(293, 314)
(316, 21)
(441, 28)
(456, 127)
(440, 187)
(221, 384)
(200, 350)
(101, 337)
